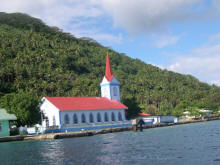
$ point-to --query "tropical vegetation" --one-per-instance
(37, 60)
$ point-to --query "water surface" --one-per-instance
(190, 144)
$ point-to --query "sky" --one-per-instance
(178, 35)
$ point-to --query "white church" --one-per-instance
(64, 112)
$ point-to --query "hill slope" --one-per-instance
(38, 60)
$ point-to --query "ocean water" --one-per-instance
(189, 144)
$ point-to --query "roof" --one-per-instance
(108, 70)
(6, 116)
(206, 111)
(85, 103)
(143, 114)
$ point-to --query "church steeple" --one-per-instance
(108, 69)
(110, 87)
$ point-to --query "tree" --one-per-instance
(24, 105)
(133, 107)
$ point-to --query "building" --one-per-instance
(206, 112)
(146, 118)
(4, 122)
(167, 119)
(67, 112)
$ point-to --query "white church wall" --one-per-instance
(79, 113)
(51, 112)
(105, 91)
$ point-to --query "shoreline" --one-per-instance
(52, 136)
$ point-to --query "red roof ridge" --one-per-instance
(85, 103)
(143, 114)
(108, 70)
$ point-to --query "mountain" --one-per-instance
(37, 60)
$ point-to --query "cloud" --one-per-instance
(166, 40)
(81, 18)
(216, 82)
(150, 15)
(136, 17)
(53, 12)
(202, 62)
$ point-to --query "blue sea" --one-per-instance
(189, 144)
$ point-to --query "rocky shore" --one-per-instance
(94, 132)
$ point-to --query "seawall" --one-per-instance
(51, 136)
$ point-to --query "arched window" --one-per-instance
(99, 118)
(75, 119)
(119, 116)
(106, 117)
(47, 121)
(66, 119)
(83, 118)
(91, 119)
(115, 91)
(113, 116)
(54, 121)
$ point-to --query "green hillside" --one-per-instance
(37, 60)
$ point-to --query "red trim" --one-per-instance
(143, 114)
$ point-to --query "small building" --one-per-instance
(206, 113)
(4, 122)
(186, 114)
(146, 118)
(68, 112)
(167, 119)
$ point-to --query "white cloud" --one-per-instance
(202, 62)
(143, 16)
(216, 82)
(75, 16)
(140, 16)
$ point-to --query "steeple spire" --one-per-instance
(110, 87)
(108, 70)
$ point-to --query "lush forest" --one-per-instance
(37, 60)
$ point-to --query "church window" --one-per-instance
(119, 116)
(113, 116)
(99, 118)
(115, 91)
(54, 121)
(47, 121)
(106, 117)
(83, 118)
(66, 119)
(91, 120)
(75, 119)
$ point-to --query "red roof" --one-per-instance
(143, 114)
(108, 70)
(85, 103)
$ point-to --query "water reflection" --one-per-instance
(52, 152)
